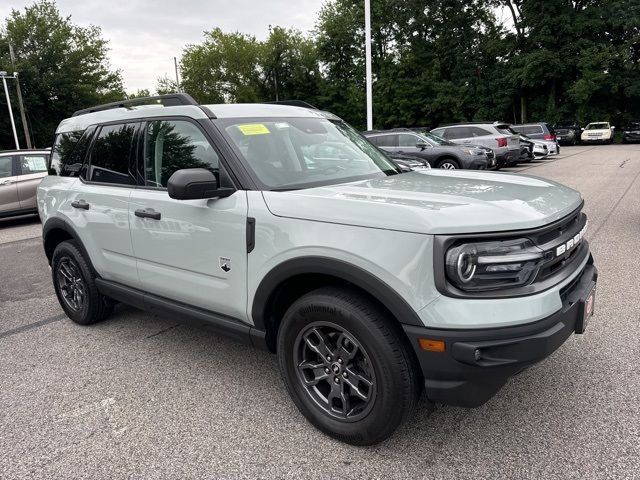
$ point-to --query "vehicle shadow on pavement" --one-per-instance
(19, 221)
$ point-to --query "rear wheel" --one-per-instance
(346, 365)
(448, 164)
(75, 287)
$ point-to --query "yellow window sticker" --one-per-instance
(254, 129)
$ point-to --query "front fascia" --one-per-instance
(457, 313)
(402, 261)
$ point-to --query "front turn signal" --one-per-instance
(431, 345)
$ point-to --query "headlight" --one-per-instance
(483, 266)
(475, 151)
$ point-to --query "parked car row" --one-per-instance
(474, 146)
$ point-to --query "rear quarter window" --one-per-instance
(68, 152)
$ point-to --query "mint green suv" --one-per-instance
(281, 226)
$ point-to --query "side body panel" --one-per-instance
(104, 229)
(196, 253)
(27, 186)
(401, 260)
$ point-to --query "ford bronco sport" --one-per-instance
(370, 285)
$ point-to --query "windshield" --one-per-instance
(290, 153)
(435, 140)
(598, 126)
(633, 126)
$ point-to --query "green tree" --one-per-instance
(62, 67)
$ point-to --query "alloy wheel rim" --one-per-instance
(71, 284)
(448, 166)
(335, 371)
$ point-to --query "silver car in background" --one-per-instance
(495, 135)
(20, 174)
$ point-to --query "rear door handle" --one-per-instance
(7, 182)
(80, 204)
(148, 213)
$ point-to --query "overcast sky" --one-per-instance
(145, 35)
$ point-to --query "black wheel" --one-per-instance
(75, 287)
(448, 164)
(347, 366)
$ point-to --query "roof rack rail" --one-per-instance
(294, 103)
(169, 100)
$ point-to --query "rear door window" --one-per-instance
(479, 132)
(458, 132)
(33, 164)
(113, 156)
(387, 140)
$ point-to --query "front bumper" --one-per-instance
(477, 363)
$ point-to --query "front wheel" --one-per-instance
(346, 365)
(448, 164)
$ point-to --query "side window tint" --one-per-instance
(6, 167)
(480, 132)
(458, 132)
(171, 145)
(406, 140)
(111, 153)
(67, 153)
(33, 164)
(386, 140)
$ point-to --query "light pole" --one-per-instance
(6, 92)
(23, 116)
(367, 53)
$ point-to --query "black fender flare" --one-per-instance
(345, 271)
(55, 223)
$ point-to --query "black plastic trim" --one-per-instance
(251, 234)
(17, 213)
(59, 224)
(169, 100)
(460, 376)
(357, 276)
(223, 324)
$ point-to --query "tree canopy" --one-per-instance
(62, 68)
(434, 61)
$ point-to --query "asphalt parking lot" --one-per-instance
(140, 396)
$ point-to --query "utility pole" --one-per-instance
(367, 49)
(175, 64)
(6, 92)
(23, 116)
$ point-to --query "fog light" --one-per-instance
(431, 345)
(477, 354)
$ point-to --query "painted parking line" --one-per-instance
(33, 325)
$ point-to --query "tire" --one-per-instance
(75, 286)
(448, 164)
(374, 353)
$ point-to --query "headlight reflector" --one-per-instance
(483, 266)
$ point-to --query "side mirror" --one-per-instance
(613, 127)
(194, 184)
(421, 145)
(581, 128)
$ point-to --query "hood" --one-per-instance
(433, 202)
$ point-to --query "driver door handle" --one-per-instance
(148, 213)
(80, 204)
